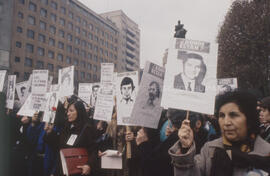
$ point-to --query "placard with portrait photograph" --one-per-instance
(10, 91)
(66, 81)
(147, 110)
(226, 85)
(50, 108)
(22, 91)
(190, 76)
(126, 91)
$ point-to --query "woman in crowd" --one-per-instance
(77, 124)
(240, 150)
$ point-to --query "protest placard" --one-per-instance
(104, 103)
(26, 109)
(190, 78)
(111, 160)
(66, 81)
(39, 89)
(85, 91)
(50, 108)
(126, 91)
(147, 110)
(226, 85)
(22, 91)
(3, 76)
(10, 91)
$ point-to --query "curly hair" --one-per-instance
(247, 104)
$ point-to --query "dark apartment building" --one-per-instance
(52, 34)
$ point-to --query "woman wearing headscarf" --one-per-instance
(76, 124)
(240, 150)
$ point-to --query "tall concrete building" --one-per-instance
(52, 34)
(129, 40)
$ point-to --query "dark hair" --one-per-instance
(95, 86)
(157, 86)
(202, 72)
(265, 103)
(81, 113)
(152, 134)
(23, 88)
(247, 104)
(176, 117)
(126, 81)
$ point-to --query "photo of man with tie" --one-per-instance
(194, 70)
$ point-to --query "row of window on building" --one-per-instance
(43, 13)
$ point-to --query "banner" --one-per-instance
(126, 91)
(147, 110)
(190, 78)
(10, 91)
(39, 89)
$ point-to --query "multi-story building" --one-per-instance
(52, 34)
(129, 40)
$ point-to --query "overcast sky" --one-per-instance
(157, 19)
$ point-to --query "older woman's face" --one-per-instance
(232, 122)
(72, 113)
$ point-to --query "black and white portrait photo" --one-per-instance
(147, 110)
(93, 97)
(126, 88)
(192, 75)
(153, 95)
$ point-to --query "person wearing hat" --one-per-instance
(240, 150)
(265, 118)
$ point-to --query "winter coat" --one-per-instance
(189, 164)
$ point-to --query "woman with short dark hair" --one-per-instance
(240, 150)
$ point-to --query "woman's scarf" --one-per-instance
(235, 155)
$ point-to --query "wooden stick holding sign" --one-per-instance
(187, 115)
(128, 152)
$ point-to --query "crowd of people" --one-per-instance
(234, 141)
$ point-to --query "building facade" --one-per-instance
(129, 40)
(52, 34)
